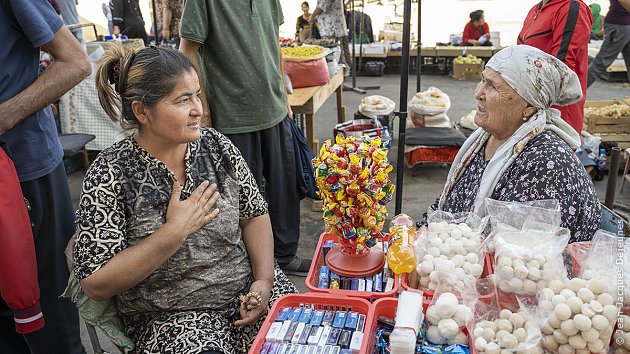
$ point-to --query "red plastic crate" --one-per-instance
(312, 278)
(488, 269)
(577, 252)
(387, 307)
(317, 301)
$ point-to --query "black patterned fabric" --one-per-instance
(124, 200)
(546, 169)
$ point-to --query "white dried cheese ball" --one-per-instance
(558, 299)
(435, 242)
(575, 304)
(582, 322)
(562, 311)
(568, 328)
(515, 283)
(504, 324)
(565, 349)
(529, 286)
(459, 338)
(599, 322)
(444, 236)
(585, 295)
(597, 286)
(521, 334)
(476, 270)
(488, 334)
(424, 282)
(605, 299)
(517, 320)
(434, 336)
(554, 321)
(560, 337)
(521, 272)
(534, 273)
(577, 342)
(547, 294)
(556, 286)
(533, 264)
(504, 261)
(493, 348)
(590, 335)
(611, 313)
(550, 344)
(509, 341)
(505, 314)
(506, 272)
(576, 284)
(434, 251)
(480, 344)
(568, 293)
(595, 346)
(448, 327)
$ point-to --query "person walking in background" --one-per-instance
(331, 23)
(127, 19)
(248, 103)
(476, 31)
(616, 40)
(28, 127)
(562, 28)
(70, 16)
(597, 31)
(302, 26)
(171, 13)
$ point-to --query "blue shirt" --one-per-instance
(25, 26)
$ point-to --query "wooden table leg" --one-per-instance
(341, 109)
(310, 127)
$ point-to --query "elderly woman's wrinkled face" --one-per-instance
(500, 110)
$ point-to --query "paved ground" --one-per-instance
(422, 183)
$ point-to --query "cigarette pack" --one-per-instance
(315, 335)
(329, 316)
(283, 314)
(317, 317)
(352, 320)
(298, 333)
(324, 338)
(340, 319)
(305, 317)
(273, 332)
(333, 339)
(295, 314)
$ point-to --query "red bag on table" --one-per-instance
(307, 73)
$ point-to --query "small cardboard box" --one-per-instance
(467, 71)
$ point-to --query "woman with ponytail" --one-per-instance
(171, 223)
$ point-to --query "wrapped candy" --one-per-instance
(352, 178)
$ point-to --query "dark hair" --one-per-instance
(305, 3)
(146, 75)
(476, 15)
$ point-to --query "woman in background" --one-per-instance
(476, 31)
(302, 26)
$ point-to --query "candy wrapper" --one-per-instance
(352, 177)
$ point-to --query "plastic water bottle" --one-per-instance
(386, 139)
(601, 159)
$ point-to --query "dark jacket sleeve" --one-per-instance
(18, 268)
(118, 12)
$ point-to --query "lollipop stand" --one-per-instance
(355, 265)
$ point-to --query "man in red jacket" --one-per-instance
(562, 28)
(18, 268)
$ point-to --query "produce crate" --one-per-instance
(316, 301)
(471, 72)
(387, 307)
(609, 129)
(312, 279)
(488, 269)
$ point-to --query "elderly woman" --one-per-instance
(170, 221)
(522, 150)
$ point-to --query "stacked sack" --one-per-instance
(428, 109)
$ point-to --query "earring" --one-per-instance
(524, 119)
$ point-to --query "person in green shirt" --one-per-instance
(234, 46)
(597, 31)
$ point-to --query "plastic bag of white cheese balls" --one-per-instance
(526, 261)
(621, 338)
(450, 243)
(606, 257)
(503, 216)
(581, 315)
(503, 331)
(450, 309)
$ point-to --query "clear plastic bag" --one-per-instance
(451, 308)
(495, 329)
(608, 260)
(526, 261)
(450, 243)
(581, 316)
(503, 216)
(430, 102)
(621, 338)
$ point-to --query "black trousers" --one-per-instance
(52, 217)
(271, 158)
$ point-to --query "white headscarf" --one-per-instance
(540, 79)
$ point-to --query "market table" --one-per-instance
(308, 100)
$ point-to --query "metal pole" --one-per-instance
(404, 82)
(613, 170)
(155, 25)
(418, 48)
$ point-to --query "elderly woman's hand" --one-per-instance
(251, 310)
(188, 216)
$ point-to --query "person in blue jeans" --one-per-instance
(616, 40)
(28, 127)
